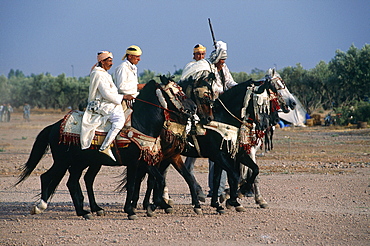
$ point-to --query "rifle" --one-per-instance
(213, 35)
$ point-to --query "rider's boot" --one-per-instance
(105, 147)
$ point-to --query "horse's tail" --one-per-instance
(38, 151)
(122, 184)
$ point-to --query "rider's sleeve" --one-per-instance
(229, 80)
(109, 91)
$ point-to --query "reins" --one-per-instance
(158, 106)
(227, 110)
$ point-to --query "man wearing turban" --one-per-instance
(104, 104)
(126, 77)
(223, 81)
(214, 64)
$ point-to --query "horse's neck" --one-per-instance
(228, 112)
(149, 120)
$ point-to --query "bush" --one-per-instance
(362, 112)
(343, 115)
(358, 111)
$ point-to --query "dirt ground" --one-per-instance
(316, 181)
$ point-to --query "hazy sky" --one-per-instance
(63, 36)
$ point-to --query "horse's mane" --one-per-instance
(148, 89)
(235, 92)
(145, 111)
(197, 83)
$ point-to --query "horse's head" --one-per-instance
(286, 99)
(200, 91)
(180, 105)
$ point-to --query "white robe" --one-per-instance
(104, 90)
(125, 78)
(203, 68)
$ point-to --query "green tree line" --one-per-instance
(343, 83)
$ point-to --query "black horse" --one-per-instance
(173, 143)
(273, 85)
(148, 117)
(227, 110)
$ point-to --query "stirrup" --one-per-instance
(108, 152)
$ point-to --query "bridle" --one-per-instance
(174, 93)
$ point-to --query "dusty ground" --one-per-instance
(316, 181)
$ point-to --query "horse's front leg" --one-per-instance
(158, 190)
(49, 182)
(130, 186)
(233, 179)
(89, 179)
(149, 189)
(217, 170)
(257, 195)
(141, 172)
(190, 180)
(75, 191)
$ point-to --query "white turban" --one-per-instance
(220, 53)
(102, 55)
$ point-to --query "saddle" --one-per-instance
(70, 130)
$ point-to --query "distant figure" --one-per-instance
(1, 112)
(6, 112)
(26, 112)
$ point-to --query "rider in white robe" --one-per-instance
(126, 77)
(223, 81)
(214, 64)
(104, 105)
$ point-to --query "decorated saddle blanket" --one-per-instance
(70, 130)
(244, 137)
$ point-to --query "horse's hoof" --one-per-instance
(264, 205)
(39, 208)
(198, 211)
(88, 216)
(132, 217)
(228, 205)
(261, 202)
(170, 202)
(240, 195)
(150, 212)
(249, 194)
(100, 213)
(240, 209)
(42, 205)
(222, 198)
(35, 210)
(202, 198)
(220, 210)
(169, 210)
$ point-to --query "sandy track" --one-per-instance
(317, 190)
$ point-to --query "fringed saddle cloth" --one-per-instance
(70, 130)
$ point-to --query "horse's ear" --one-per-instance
(270, 72)
(164, 79)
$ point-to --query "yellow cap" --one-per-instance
(199, 48)
(133, 50)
